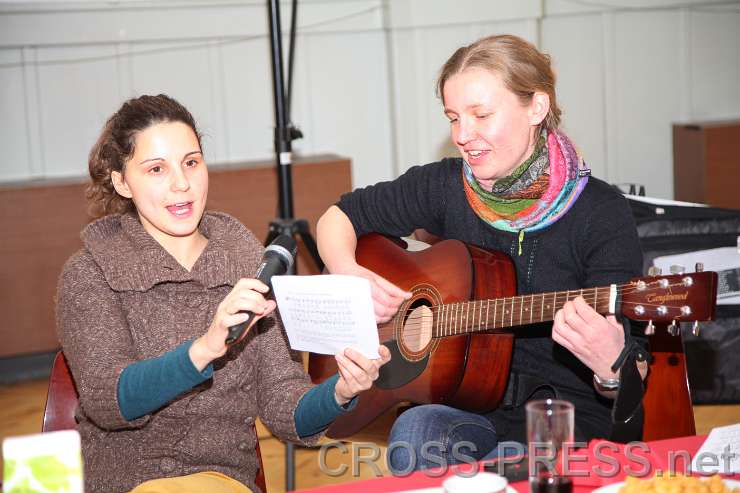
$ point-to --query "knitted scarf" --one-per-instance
(537, 193)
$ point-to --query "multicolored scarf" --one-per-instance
(537, 193)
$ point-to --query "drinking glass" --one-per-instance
(550, 424)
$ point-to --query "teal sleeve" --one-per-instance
(147, 385)
(318, 408)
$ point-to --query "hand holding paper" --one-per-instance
(357, 373)
(334, 315)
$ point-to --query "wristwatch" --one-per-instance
(606, 383)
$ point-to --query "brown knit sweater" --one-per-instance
(123, 298)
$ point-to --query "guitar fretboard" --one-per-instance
(479, 315)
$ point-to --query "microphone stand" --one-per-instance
(285, 133)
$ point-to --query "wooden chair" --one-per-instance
(61, 398)
(61, 403)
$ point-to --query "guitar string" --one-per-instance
(466, 319)
(415, 321)
(416, 324)
(415, 327)
(539, 298)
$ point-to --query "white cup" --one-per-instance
(483, 482)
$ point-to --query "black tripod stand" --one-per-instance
(285, 133)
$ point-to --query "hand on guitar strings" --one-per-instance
(387, 297)
(594, 339)
(357, 373)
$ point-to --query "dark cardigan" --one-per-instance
(594, 244)
(123, 298)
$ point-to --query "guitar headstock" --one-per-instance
(673, 298)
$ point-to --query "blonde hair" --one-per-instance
(523, 69)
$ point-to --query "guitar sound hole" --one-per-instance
(417, 329)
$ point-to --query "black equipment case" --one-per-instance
(713, 357)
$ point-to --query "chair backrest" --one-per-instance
(61, 403)
(61, 399)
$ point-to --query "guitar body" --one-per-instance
(464, 371)
(443, 349)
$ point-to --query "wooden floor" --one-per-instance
(22, 408)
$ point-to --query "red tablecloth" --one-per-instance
(600, 464)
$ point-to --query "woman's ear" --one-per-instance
(120, 185)
(539, 107)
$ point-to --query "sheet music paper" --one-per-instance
(326, 314)
(720, 453)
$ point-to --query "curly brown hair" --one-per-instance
(521, 66)
(116, 145)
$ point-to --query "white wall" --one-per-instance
(626, 75)
(365, 73)
(66, 66)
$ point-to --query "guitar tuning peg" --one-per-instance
(699, 267)
(678, 269)
(673, 329)
(650, 328)
(654, 271)
(695, 328)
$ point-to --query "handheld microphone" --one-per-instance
(277, 260)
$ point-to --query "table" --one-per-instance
(655, 454)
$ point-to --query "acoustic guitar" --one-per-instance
(451, 343)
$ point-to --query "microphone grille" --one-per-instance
(286, 242)
(285, 246)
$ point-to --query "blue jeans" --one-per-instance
(434, 435)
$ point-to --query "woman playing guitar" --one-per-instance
(520, 188)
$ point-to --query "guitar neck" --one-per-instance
(480, 315)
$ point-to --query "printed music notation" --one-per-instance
(326, 314)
